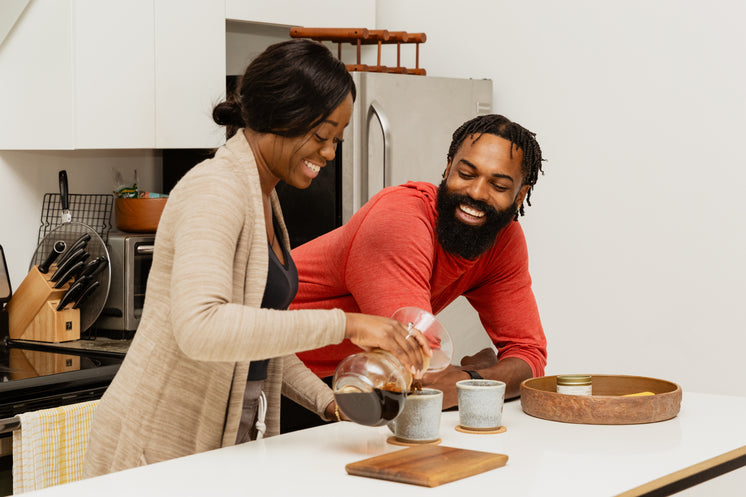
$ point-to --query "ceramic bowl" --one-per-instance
(138, 215)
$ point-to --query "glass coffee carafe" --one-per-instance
(371, 387)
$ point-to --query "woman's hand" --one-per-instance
(334, 413)
(370, 332)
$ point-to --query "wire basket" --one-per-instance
(93, 210)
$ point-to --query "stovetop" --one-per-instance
(25, 363)
(36, 375)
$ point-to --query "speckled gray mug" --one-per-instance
(419, 421)
(480, 404)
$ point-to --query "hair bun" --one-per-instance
(228, 114)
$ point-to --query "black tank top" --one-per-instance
(282, 285)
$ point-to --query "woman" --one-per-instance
(196, 374)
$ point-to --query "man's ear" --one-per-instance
(522, 195)
(448, 168)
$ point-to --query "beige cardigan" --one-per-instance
(179, 390)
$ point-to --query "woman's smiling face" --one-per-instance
(298, 160)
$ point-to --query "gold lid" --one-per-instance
(574, 379)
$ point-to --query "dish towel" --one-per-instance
(49, 446)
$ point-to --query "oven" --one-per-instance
(41, 376)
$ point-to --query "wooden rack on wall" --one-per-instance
(363, 36)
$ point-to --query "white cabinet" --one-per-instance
(189, 72)
(113, 74)
(36, 79)
(88, 74)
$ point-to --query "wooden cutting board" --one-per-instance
(427, 465)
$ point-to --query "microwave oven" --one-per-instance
(130, 255)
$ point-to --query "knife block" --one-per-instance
(33, 314)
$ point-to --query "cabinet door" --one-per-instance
(114, 74)
(106, 74)
(36, 84)
(189, 72)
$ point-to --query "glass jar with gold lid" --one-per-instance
(575, 384)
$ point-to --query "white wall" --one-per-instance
(636, 233)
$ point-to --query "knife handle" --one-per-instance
(73, 292)
(65, 264)
(63, 302)
(63, 190)
(80, 242)
(74, 269)
(58, 248)
(94, 267)
(86, 293)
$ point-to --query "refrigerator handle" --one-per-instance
(376, 110)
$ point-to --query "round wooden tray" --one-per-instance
(609, 404)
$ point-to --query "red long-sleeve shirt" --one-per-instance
(387, 256)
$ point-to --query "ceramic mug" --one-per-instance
(419, 421)
(480, 404)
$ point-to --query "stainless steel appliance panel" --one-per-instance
(401, 129)
(131, 256)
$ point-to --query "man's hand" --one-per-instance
(445, 381)
(481, 360)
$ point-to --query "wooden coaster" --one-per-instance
(395, 441)
(487, 431)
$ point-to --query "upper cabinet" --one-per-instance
(90, 74)
(106, 74)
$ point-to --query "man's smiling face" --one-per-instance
(481, 192)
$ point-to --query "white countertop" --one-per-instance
(546, 458)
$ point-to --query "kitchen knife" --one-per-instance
(77, 270)
(85, 293)
(94, 267)
(74, 270)
(73, 292)
(57, 249)
(81, 255)
(64, 266)
(80, 242)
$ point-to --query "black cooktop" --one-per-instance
(40, 376)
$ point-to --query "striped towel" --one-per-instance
(48, 449)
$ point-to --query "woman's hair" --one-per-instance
(286, 90)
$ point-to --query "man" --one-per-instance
(421, 245)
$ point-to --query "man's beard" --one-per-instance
(462, 239)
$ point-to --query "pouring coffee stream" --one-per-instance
(371, 388)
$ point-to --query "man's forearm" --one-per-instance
(510, 370)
